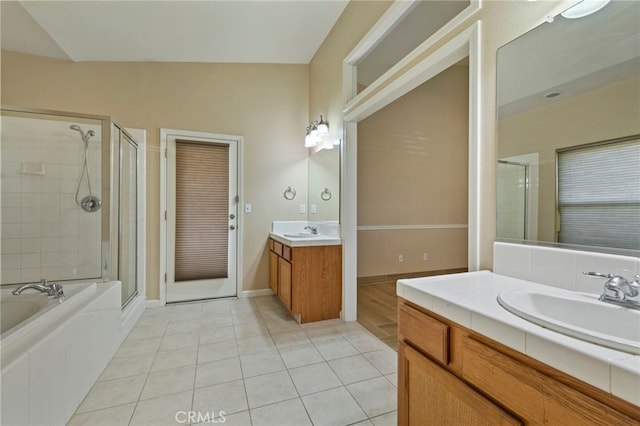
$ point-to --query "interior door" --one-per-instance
(202, 211)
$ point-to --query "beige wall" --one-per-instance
(608, 112)
(266, 104)
(502, 22)
(412, 170)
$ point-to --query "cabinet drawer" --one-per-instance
(424, 332)
(504, 379)
(286, 252)
(277, 248)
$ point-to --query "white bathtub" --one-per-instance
(53, 351)
(18, 311)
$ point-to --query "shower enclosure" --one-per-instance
(69, 199)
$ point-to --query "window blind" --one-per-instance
(599, 194)
(202, 209)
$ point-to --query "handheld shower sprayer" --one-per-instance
(90, 203)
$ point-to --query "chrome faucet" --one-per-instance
(312, 229)
(619, 290)
(44, 286)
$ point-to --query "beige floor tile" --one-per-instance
(287, 339)
(250, 330)
(389, 419)
(314, 378)
(298, 356)
(228, 397)
(375, 396)
(333, 407)
(147, 332)
(115, 416)
(335, 348)
(216, 372)
(366, 342)
(353, 369)
(261, 363)
(285, 413)
(179, 341)
(180, 327)
(112, 393)
(208, 322)
(393, 378)
(269, 389)
(385, 360)
(128, 366)
(250, 345)
(217, 351)
(214, 335)
(174, 359)
(169, 381)
(164, 410)
(138, 347)
(237, 419)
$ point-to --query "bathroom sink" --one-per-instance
(577, 315)
(301, 235)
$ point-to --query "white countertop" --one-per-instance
(320, 240)
(470, 299)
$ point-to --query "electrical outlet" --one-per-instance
(425, 256)
(303, 208)
(400, 258)
(313, 208)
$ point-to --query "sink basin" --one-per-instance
(301, 235)
(577, 315)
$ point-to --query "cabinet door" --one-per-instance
(430, 395)
(273, 272)
(284, 282)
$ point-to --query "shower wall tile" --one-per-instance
(44, 233)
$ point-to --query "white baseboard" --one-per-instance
(131, 315)
(155, 303)
(256, 293)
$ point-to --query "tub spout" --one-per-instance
(52, 289)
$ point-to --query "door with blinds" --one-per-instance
(202, 188)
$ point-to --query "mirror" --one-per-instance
(324, 185)
(571, 85)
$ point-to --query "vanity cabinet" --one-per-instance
(307, 280)
(449, 375)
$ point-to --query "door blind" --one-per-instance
(202, 209)
(599, 194)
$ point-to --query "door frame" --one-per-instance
(164, 136)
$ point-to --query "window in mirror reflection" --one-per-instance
(599, 187)
(566, 84)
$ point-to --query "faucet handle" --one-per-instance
(598, 274)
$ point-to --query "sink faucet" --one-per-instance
(52, 289)
(312, 229)
(619, 290)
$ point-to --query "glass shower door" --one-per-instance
(127, 216)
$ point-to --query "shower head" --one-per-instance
(85, 137)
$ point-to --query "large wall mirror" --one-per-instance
(324, 185)
(569, 132)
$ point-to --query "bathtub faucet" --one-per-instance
(44, 286)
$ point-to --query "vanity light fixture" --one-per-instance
(317, 132)
(584, 8)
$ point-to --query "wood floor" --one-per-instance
(378, 311)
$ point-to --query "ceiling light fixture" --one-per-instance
(584, 8)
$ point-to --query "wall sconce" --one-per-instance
(317, 132)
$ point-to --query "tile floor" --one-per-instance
(243, 362)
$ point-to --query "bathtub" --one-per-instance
(52, 351)
(22, 312)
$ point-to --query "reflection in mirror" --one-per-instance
(419, 22)
(324, 185)
(565, 85)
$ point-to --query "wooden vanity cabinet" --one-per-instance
(307, 280)
(449, 375)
